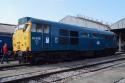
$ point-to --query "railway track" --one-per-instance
(74, 73)
(46, 71)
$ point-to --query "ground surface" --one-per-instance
(9, 64)
(114, 74)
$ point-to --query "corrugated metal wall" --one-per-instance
(119, 24)
(7, 28)
(84, 22)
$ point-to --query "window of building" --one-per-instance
(64, 32)
(63, 40)
(74, 41)
(74, 34)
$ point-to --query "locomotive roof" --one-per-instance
(40, 21)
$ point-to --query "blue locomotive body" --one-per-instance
(5, 38)
(65, 37)
(53, 37)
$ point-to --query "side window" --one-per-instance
(74, 37)
(73, 33)
(94, 35)
(63, 36)
(68, 37)
(85, 34)
(63, 32)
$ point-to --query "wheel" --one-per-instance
(32, 60)
(20, 57)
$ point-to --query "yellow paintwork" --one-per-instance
(22, 39)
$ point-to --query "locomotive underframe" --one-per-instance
(55, 56)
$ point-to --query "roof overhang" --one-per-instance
(121, 30)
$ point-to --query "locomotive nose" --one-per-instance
(18, 45)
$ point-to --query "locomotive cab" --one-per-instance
(28, 32)
(22, 38)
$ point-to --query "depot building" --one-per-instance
(119, 29)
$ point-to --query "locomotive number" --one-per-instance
(36, 39)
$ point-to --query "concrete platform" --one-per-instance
(9, 64)
(112, 75)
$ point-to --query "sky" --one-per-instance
(54, 10)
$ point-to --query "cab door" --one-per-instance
(46, 37)
(41, 37)
(37, 37)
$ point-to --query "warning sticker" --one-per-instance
(98, 42)
(47, 39)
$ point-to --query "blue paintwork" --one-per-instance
(85, 43)
(5, 38)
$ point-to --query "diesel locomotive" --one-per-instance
(40, 40)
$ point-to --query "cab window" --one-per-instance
(41, 28)
(46, 29)
(33, 27)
